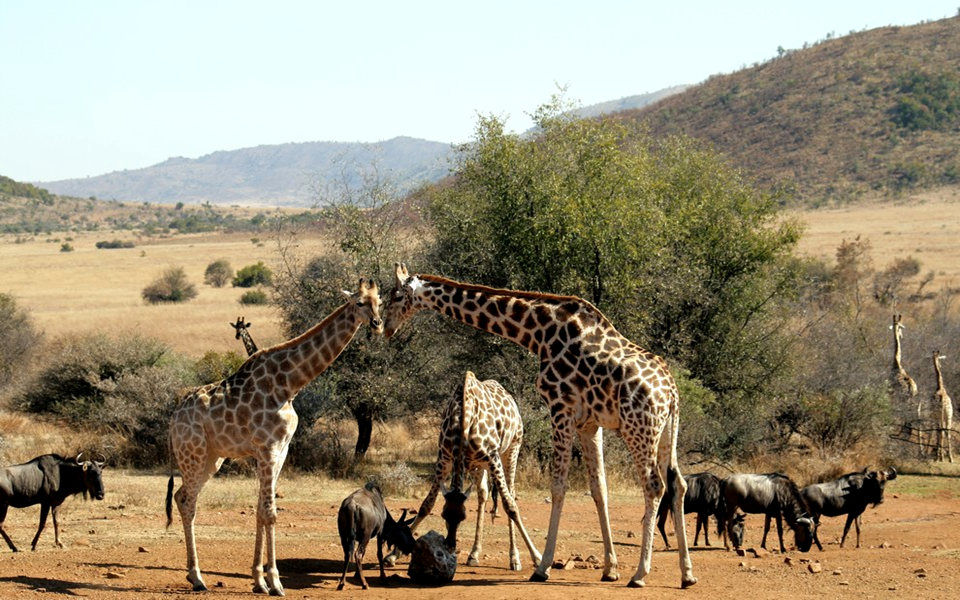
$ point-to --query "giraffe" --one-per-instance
(943, 400)
(903, 385)
(481, 432)
(251, 413)
(244, 335)
(591, 378)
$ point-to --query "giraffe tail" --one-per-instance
(169, 503)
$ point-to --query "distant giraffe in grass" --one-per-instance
(243, 334)
(903, 387)
(942, 401)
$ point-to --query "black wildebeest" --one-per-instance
(47, 480)
(702, 497)
(363, 516)
(772, 495)
(849, 495)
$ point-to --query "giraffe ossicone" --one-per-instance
(592, 378)
(250, 413)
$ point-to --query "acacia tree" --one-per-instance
(661, 235)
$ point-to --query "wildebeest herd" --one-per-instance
(591, 377)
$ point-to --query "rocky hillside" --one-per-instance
(871, 112)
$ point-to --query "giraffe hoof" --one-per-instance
(635, 583)
(200, 587)
(610, 577)
(473, 562)
(539, 577)
(688, 582)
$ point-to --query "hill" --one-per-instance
(871, 112)
(275, 175)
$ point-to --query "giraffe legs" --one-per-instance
(591, 442)
(194, 474)
(507, 491)
(266, 577)
(483, 492)
(562, 450)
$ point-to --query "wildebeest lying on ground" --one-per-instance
(363, 516)
(704, 498)
(849, 495)
(47, 480)
(773, 495)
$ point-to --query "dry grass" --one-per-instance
(925, 226)
(91, 290)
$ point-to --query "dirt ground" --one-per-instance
(119, 549)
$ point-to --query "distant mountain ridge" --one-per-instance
(275, 175)
(285, 174)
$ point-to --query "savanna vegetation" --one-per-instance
(776, 355)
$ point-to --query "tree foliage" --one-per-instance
(218, 273)
(171, 286)
(251, 275)
(19, 339)
(662, 235)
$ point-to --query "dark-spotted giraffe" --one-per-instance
(243, 334)
(591, 378)
(251, 413)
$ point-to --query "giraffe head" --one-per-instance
(400, 305)
(240, 325)
(367, 303)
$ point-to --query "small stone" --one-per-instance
(742, 565)
(114, 575)
(885, 545)
(788, 561)
(758, 552)
(814, 567)
(593, 560)
(142, 549)
(558, 564)
(219, 584)
(837, 572)
(631, 534)
(844, 583)
(570, 564)
(741, 552)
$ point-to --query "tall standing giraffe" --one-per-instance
(481, 431)
(591, 378)
(243, 334)
(904, 387)
(251, 413)
(942, 400)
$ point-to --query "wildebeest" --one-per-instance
(47, 480)
(702, 497)
(772, 495)
(849, 495)
(362, 516)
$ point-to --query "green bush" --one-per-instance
(18, 339)
(115, 244)
(215, 366)
(124, 386)
(251, 275)
(218, 273)
(172, 286)
(66, 247)
(254, 297)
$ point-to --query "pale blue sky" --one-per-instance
(98, 86)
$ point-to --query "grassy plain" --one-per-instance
(99, 290)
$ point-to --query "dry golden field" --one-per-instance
(99, 290)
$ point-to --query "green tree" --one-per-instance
(251, 275)
(171, 286)
(19, 339)
(218, 273)
(662, 235)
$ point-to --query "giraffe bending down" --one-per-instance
(251, 413)
(481, 432)
(591, 378)
(942, 400)
(904, 387)
(244, 335)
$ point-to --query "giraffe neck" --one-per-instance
(304, 358)
(936, 367)
(528, 319)
(248, 342)
(897, 365)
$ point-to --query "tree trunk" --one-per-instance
(364, 416)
